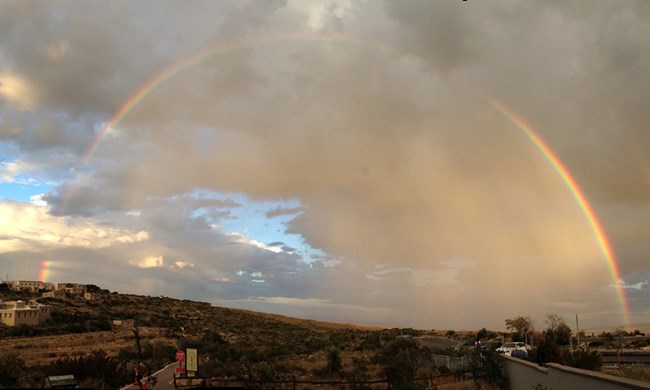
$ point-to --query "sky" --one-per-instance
(429, 164)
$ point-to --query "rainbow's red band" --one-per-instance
(579, 196)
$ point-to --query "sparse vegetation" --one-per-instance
(252, 346)
(637, 372)
(232, 343)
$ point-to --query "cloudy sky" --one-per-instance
(352, 161)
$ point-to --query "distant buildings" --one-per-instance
(53, 290)
(14, 313)
(57, 294)
(91, 296)
(29, 285)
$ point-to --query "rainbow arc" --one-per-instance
(224, 48)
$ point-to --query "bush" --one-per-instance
(402, 360)
(12, 368)
(97, 368)
(585, 359)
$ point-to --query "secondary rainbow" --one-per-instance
(218, 49)
(577, 193)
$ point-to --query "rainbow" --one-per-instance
(44, 272)
(186, 63)
(577, 193)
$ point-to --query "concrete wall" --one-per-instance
(522, 374)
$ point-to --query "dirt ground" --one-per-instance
(43, 350)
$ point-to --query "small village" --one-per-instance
(16, 313)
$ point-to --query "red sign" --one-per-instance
(180, 355)
(180, 369)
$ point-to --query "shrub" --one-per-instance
(585, 359)
(12, 368)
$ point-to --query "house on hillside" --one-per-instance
(29, 285)
(90, 296)
(57, 294)
(14, 313)
(72, 288)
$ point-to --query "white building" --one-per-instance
(13, 313)
(72, 288)
(29, 285)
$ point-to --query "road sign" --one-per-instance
(180, 369)
(180, 355)
(192, 360)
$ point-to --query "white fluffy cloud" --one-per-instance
(23, 225)
(18, 92)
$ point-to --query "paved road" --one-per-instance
(165, 379)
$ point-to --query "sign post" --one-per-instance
(191, 362)
(180, 357)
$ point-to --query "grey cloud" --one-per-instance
(441, 32)
(283, 211)
(394, 155)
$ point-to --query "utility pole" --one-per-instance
(577, 331)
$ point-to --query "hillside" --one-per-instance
(166, 318)
(125, 330)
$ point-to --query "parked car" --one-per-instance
(490, 345)
(507, 348)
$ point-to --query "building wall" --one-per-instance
(16, 313)
(91, 296)
(30, 285)
(522, 374)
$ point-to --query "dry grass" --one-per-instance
(310, 323)
(46, 349)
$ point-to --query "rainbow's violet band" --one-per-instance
(224, 48)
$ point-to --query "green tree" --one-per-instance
(557, 330)
(520, 327)
(548, 351)
(402, 359)
(482, 334)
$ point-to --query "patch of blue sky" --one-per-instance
(261, 220)
(22, 191)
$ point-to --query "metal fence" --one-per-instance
(452, 363)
